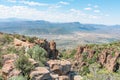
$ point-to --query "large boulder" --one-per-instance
(54, 76)
(9, 57)
(8, 69)
(64, 77)
(40, 73)
(8, 66)
(61, 67)
(77, 77)
(33, 62)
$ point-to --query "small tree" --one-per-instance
(38, 53)
(24, 65)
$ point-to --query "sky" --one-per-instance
(83, 11)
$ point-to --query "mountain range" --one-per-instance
(68, 31)
(14, 25)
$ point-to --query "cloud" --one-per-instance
(96, 6)
(88, 8)
(32, 3)
(54, 6)
(25, 12)
(13, 1)
(58, 5)
(64, 3)
(19, 12)
(96, 11)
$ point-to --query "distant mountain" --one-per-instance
(37, 27)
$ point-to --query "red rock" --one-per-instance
(60, 67)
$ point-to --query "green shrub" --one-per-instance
(0, 62)
(0, 59)
(31, 39)
(6, 39)
(94, 68)
(1, 78)
(24, 65)
(102, 76)
(17, 78)
(38, 54)
(66, 55)
(84, 70)
(13, 50)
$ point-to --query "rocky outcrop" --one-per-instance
(33, 62)
(40, 73)
(50, 47)
(79, 52)
(103, 57)
(8, 69)
(77, 77)
(60, 67)
(61, 70)
(106, 58)
(64, 77)
(9, 57)
(53, 51)
(112, 61)
(20, 43)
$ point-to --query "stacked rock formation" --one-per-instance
(61, 70)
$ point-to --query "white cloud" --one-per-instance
(13, 1)
(32, 3)
(96, 6)
(49, 15)
(58, 5)
(88, 8)
(64, 3)
(94, 17)
(54, 6)
(96, 11)
(19, 12)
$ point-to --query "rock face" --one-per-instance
(50, 47)
(79, 52)
(8, 69)
(55, 70)
(33, 62)
(64, 78)
(61, 70)
(40, 73)
(112, 61)
(60, 67)
(20, 43)
(53, 51)
(77, 77)
(103, 57)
